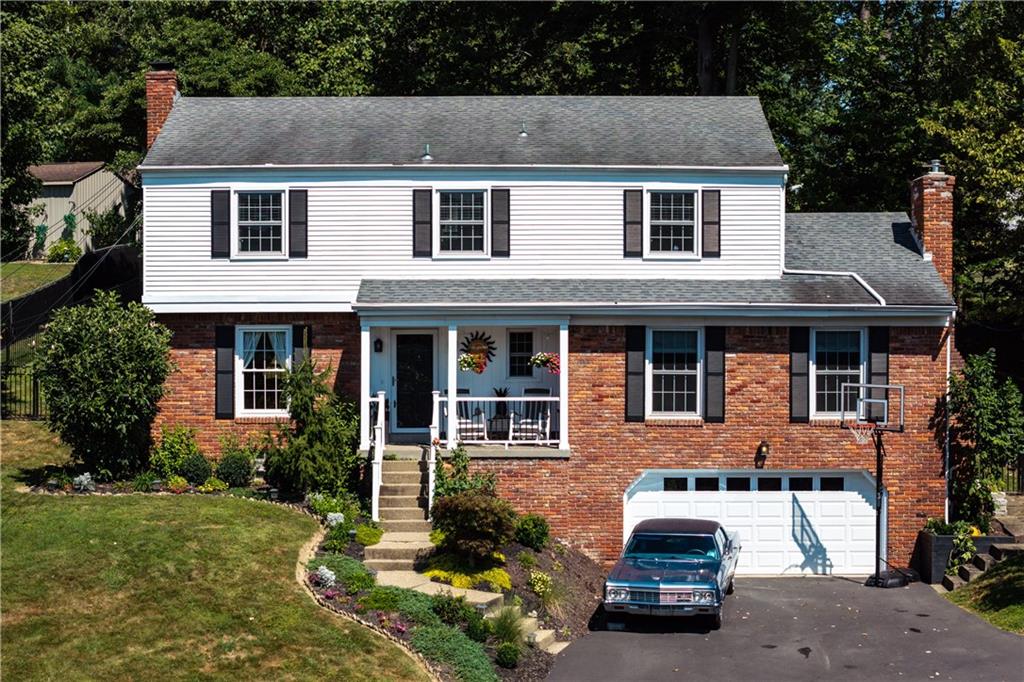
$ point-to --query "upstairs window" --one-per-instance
(461, 223)
(672, 222)
(263, 357)
(674, 372)
(520, 350)
(260, 222)
(839, 358)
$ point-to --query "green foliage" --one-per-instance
(343, 503)
(176, 484)
(986, 431)
(532, 531)
(451, 646)
(106, 228)
(319, 449)
(526, 559)
(436, 537)
(540, 583)
(143, 483)
(101, 368)
(174, 448)
(212, 485)
(475, 525)
(236, 462)
(64, 251)
(350, 573)
(194, 468)
(507, 655)
(368, 534)
(450, 609)
(477, 627)
(337, 538)
(507, 626)
(455, 478)
(963, 546)
(411, 605)
(457, 572)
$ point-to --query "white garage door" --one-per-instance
(790, 522)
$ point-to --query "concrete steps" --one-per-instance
(402, 513)
(969, 572)
(405, 525)
(951, 582)
(983, 562)
(980, 563)
(1007, 550)
(388, 489)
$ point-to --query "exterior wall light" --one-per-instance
(378, 345)
(763, 449)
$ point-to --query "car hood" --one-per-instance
(654, 571)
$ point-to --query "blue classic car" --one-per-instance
(674, 567)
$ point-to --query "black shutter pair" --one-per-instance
(224, 339)
(714, 374)
(799, 371)
(633, 223)
(220, 223)
(423, 221)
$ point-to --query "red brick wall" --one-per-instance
(160, 89)
(189, 393)
(582, 496)
(931, 212)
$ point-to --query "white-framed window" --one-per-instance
(670, 223)
(462, 221)
(259, 217)
(675, 358)
(520, 350)
(838, 356)
(263, 354)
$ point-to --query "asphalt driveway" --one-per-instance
(805, 629)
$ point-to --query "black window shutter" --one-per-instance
(499, 223)
(422, 219)
(636, 344)
(799, 376)
(878, 369)
(297, 223)
(224, 340)
(633, 223)
(302, 343)
(220, 223)
(714, 374)
(711, 233)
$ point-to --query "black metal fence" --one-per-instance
(20, 397)
(1013, 476)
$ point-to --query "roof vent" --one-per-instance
(936, 167)
(426, 158)
(522, 129)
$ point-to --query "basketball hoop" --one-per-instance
(862, 431)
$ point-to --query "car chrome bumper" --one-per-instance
(662, 609)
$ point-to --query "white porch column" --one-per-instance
(563, 386)
(453, 382)
(364, 388)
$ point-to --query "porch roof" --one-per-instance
(788, 290)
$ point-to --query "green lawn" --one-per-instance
(19, 278)
(997, 596)
(137, 587)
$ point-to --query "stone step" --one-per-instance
(404, 465)
(390, 564)
(400, 536)
(406, 501)
(1007, 550)
(951, 582)
(983, 562)
(1014, 525)
(556, 647)
(967, 573)
(405, 525)
(541, 638)
(1015, 504)
(403, 514)
(403, 477)
(402, 489)
(388, 549)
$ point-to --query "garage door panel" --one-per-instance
(707, 509)
(677, 509)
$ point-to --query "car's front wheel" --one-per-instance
(732, 587)
(716, 620)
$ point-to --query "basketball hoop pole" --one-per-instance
(876, 435)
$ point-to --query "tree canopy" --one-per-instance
(859, 95)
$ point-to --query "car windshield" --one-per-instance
(682, 546)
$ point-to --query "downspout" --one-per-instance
(830, 273)
(949, 375)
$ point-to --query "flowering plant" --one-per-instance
(323, 577)
(473, 362)
(548, 360)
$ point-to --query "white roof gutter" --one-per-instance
(421, 165)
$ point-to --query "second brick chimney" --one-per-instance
(161, 89)
(931, 213)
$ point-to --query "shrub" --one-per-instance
(176, 444)
(451, 646)
(540, 583)
(450, 609)
(337, 538)
(236, 463)
(84, 483)
(507, 626)
(413, 606)
(349, 573)
(532, 531)
(176, 484)
(478, 628)
(102, 368)
(456, 571)
(507, 655)
(342, 503)
(526, 559)
(105, 229)
(368, 534)
(143, 483)
(436, 537)
(474, 525)
(455, 478)
(319, 448)
(213, 485)
(64, 251)
(195, 468)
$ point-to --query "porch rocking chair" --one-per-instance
(534, 423)
(470, 422)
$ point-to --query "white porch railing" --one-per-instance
(435, 443)
(506, 421)
(377, 411)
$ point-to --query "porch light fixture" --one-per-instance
(763, 449)
(378, 345)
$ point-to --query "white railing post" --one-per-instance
(378, 455)
(364, 388)
(453, 384)
(563, 386)
(435, 440)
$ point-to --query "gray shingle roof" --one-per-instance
(572, 131)
(877, 246)
(789, 290)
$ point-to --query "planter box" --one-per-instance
(932, 552)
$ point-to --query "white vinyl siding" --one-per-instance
(567, 230)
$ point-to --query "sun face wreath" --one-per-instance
(477, 351)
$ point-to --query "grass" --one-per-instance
(20, 277)
(997, 596)
(136, 587)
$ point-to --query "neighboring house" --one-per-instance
(643, 239)
(74, 188)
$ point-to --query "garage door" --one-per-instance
(790, 522)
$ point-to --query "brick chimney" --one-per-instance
(931, 213)
(161, 89)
